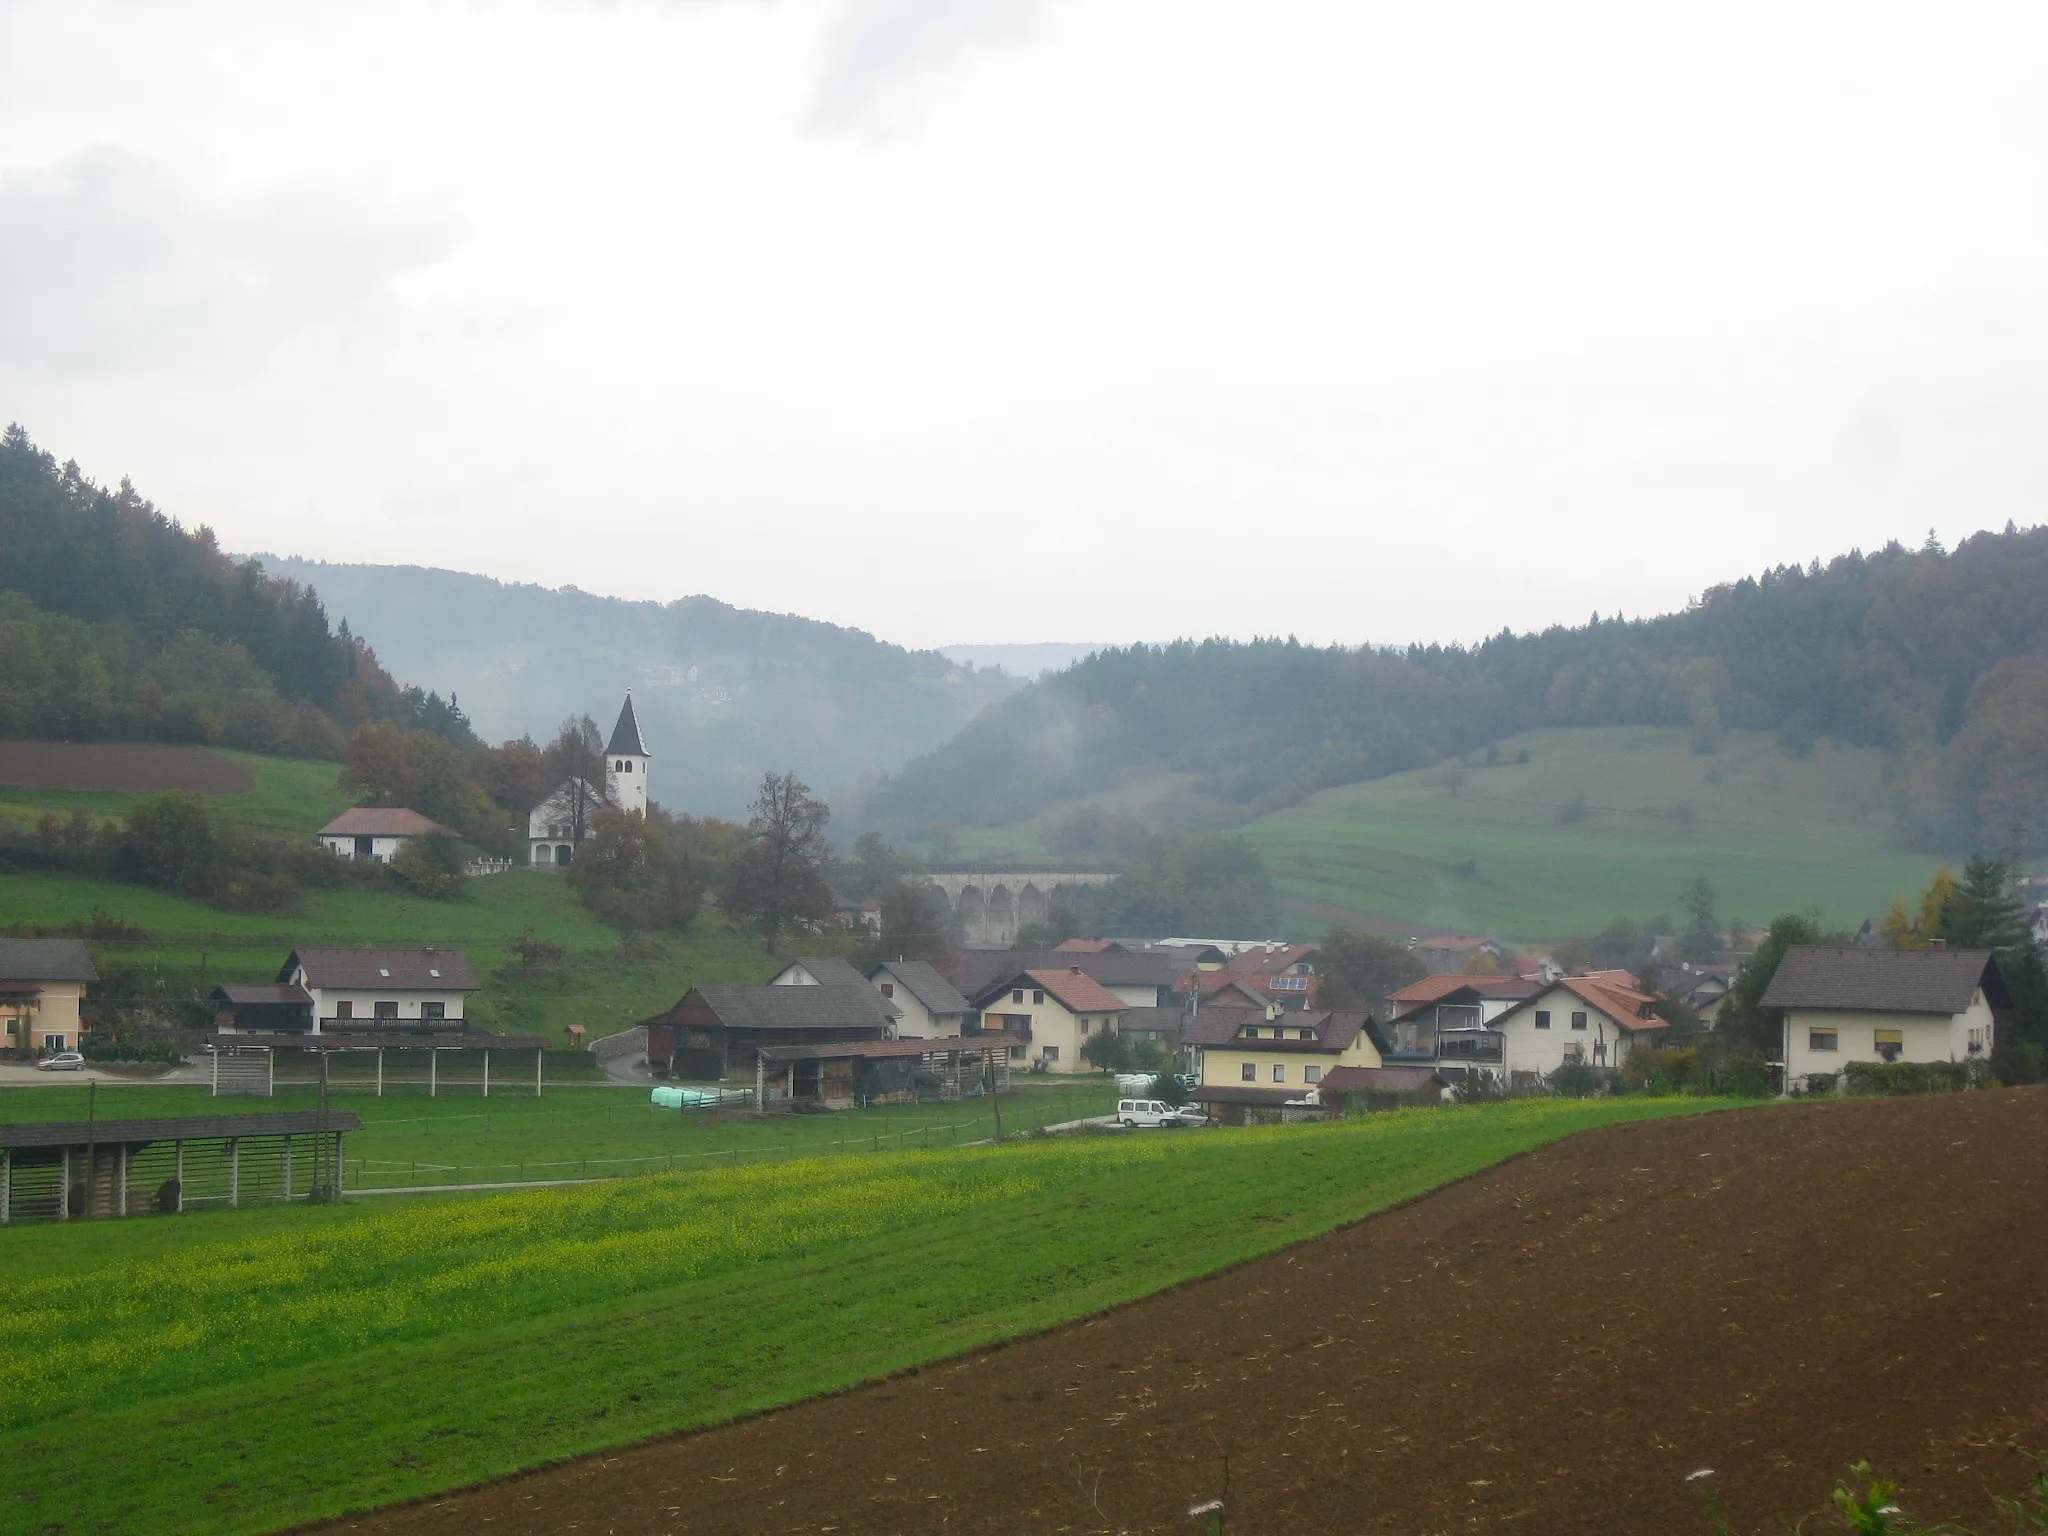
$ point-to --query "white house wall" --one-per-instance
(1529, 1049)
(1923, 1037)
(365, 1006)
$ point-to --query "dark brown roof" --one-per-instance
(372, 970)
(45, 960)
(1219, 1026)
(1379, 1080)
(1151, 1020)
(1073, 988)
(106, 1132)
(1335, 1033)
(1938, 981)
(282, 994)
(858, 1006)
(380, 821)
(1234, 1093)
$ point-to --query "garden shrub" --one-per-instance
(1871, 1079)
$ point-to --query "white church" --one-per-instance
(566, 817)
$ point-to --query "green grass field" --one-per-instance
(256, 1369)
(293, 797)
(1773, 833)
(459, 1137)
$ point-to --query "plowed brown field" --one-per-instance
(122, 768)
(1549, 1347)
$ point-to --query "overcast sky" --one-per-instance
(1013, 320)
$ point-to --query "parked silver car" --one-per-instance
(62, 1061)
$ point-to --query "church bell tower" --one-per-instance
(627, 758)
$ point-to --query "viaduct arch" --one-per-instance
(992, 901)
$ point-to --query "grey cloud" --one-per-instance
(105, 263)
(879, 48)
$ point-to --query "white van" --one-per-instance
(1149, 1112)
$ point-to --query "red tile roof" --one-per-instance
(1443, 984)
(1079, 992)
(1624, 1004)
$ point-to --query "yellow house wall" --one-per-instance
(58, 1015)
(1051, 1024)
(1923, 1037)
(1223, 1065)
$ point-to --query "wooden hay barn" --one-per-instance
(860, 1073)
(69, 1169)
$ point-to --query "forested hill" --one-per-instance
(1941, 658)
(118, 622)
(724, 694)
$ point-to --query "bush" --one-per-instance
(430, 866)
(1576, 1080)
(1169, 1090)
(1871, 1079)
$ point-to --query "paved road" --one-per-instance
(19, 1076)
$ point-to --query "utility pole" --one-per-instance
(995, 1097)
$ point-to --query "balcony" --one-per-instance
(1477, 1047)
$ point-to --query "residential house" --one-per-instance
(1051, 1013)
(1883, 1005)
(273, 1008)
(1258, 1063)
(1594, 1019)
(371, 834)
(349, 990)
(1282, 973)
(1139, 980)
(1160, 1028)
(1223, 989)
(1286, 1049)
(569, 813)
(1445, 1021)
(1705, 989)
(42, 983)
(716, 1031)
(932, 1006)
(818, 971)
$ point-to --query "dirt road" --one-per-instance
(1550, 1347)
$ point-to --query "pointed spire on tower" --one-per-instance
(626, 734)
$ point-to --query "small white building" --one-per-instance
(1595, 1020)
(363, 989)
(1883, 1005)
(374, 833)
(567, 815)
(1053, 1012)
(933, 1008)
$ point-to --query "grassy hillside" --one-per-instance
(522, 1328)
(293, 797)
(1772, 832)
(190, 946)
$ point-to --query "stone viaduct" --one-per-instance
(992, 901)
